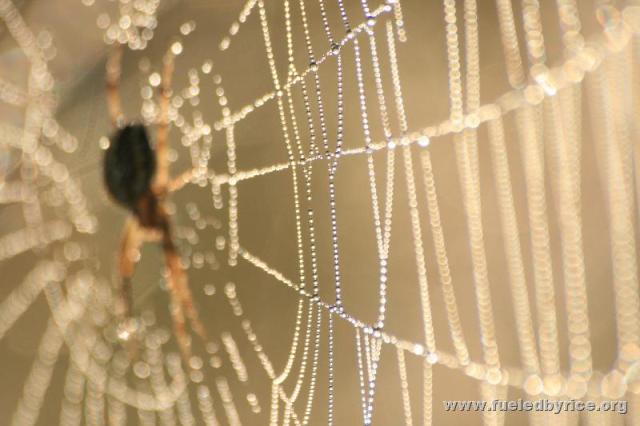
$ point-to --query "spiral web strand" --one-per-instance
(539, 127)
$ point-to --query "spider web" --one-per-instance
(351, 249)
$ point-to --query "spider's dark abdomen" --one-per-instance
(129, 165)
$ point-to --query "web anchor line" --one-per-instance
(514, 377)
(512, 101)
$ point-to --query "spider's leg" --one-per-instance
(114, 65)
(179, 325)
(178, 284)
(128, 258)
(180, 181)
(162, 136)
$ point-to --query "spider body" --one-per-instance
(129, 165)
(129, 168)
(136, 175)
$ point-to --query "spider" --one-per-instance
(137, 177)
